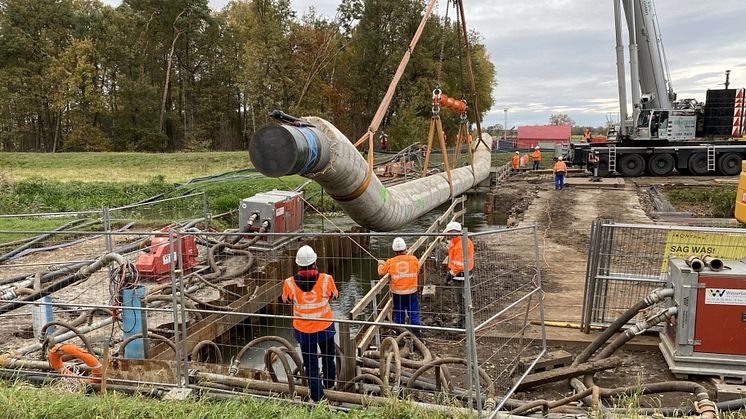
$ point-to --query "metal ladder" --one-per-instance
(710, 158)
(612, 158)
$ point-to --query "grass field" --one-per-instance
(22, 400)
(119, 167)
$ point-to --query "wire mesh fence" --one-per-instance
(191, 309)
(627, 261)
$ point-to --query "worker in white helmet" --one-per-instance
(515, 161)
(313, 325)
(537, 157)
(560, 170)
(403, 270)
(456, 264)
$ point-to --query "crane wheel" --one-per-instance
(631, 165)
(729, 164)
(661, 164)
(698, 164)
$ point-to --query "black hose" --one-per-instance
(41, 237)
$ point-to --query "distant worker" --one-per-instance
(310, 292)
(384, 142)
(403, 270)
(515, 161)
(593, 161)
(559, 169)
(537, 157)
(587, 136)
(455, 261)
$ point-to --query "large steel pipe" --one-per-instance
(322, 153)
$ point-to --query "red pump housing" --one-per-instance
(156, 263)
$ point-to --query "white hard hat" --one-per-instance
(305, 256)
(537, 147)
(517, 152)
(453, 226)
(399, 245)
(559, 158)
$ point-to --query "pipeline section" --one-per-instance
(319, 151)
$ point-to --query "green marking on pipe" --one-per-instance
(384, 194)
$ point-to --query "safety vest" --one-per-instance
(311, 306)
(537, 155)
(456, 255)
(560, 166)
(587, 136)
(403, 270)
(515, 161)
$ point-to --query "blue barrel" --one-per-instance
(132, 321)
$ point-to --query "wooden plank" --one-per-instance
(533, 380)
(370, 332)
(551, 360)
(214, 325)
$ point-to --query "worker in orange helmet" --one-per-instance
(537, 157)
(310, 291)
(403, 270)
(559, 170)
(456, 264)
(515, 161)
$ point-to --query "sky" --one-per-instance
(558, 56)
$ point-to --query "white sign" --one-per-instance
(280, 211)
(167, 259)
(725, 296)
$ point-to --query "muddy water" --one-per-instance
(355, 273)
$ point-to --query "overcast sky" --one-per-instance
(558, 55)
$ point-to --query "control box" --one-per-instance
(708, 335)
(282, 209)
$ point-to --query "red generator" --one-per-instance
(156, 263)
(708, 335)
(282, 209)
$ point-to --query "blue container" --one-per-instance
(132, 321)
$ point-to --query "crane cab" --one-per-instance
(666, 124)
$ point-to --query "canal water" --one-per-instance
(354, 275)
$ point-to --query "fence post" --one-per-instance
(178, 260)
(206, 212)
(541, 290)
(472, 367)
(590, 277)
(174, 307)
(106, 219)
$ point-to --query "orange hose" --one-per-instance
(55, 360)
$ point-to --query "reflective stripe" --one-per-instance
(291, 285)
(307, 316)
(309, 306)
(404, 275)
(457, 262)
(405, 291)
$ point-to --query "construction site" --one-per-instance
(587, 293)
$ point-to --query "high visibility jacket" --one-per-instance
(515, 161)
(560, 166)
(587, 136)
(313, 305)
(537, 155)
(403, 270)
(456, 255)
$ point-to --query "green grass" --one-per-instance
(25, 401)
(708, 201)
(119, 167)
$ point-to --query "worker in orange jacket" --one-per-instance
(403, 270)
(515, 161)
(456, 266)
(313, 323)
(559, 170)
(587, 136)
(537, 157)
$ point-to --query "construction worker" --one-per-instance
(537, 157)
(593, 162)
(313, 327)
(559, 169)
(587, 136)
(403, 270)
(455, 261)
(515, 161)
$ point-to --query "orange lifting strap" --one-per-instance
(463, 137)
(436, 124)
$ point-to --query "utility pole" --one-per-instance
(727, 79)
(505, 127)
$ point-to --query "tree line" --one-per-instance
(153, 75)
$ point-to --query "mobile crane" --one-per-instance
(664, 134)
